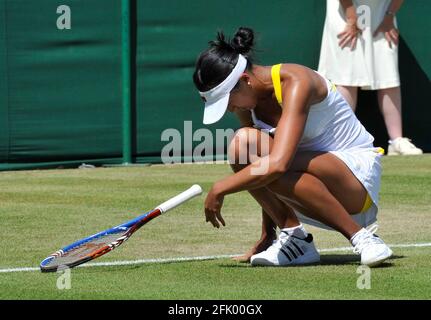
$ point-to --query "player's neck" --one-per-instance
(261, 81)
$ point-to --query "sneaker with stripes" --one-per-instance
(287, 250)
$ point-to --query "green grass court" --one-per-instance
(41, 211)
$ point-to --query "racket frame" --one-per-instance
(124, 231)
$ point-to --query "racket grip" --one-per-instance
(190, 193)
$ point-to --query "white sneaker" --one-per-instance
(287, 251)
(403, 146)
(372, 249)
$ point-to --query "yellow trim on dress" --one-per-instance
(276, 81)
(333, 87)
(368, 202)
(367, 205)
(381, 150)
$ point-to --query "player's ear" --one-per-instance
(244, 81)
(245, 77)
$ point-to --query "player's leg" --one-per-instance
(247, 143)
(325, 186)
(326, 190)
(305, 184)
(307, 188)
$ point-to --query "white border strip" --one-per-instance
(185, 259)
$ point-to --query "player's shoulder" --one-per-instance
(294, 69)
(296, 73)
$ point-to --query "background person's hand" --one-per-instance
(389, 30)
(349, 36)
(213, 204)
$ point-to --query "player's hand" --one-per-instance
(213, 204)
(261, 245)
(349, 36)
(389, 30)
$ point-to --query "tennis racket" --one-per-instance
(103, 242)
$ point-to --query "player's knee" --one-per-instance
(238, 147)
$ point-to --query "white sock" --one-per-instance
(298, 231)
(354, 238)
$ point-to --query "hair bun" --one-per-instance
(215, 64)
(243, 41)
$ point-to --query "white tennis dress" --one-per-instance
(332, 126)
(372, 65)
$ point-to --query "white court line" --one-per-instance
(184, 259)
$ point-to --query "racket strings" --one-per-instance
(84, 250)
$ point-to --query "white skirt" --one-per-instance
(365, 165)
(372, 65)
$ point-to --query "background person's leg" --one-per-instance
(350, 94)
(390, 107)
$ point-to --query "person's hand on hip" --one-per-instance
(389, 30)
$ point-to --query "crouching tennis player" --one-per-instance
(322, 167)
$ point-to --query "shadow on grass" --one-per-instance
(325, 260)
(137, 266)
(350, 259)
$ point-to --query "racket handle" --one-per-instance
(192, 192)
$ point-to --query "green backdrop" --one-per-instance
(61, 90)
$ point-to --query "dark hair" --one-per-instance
(217, 62)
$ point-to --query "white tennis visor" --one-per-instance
(217, 99)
